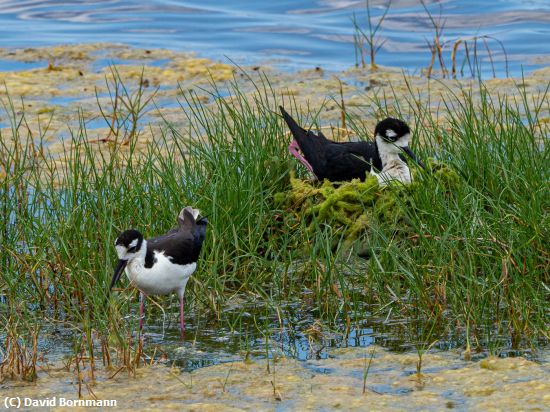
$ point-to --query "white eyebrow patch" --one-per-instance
(133, 243)
(120, 251)
(390, 133)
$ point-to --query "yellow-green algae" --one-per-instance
(446, 382)
(353, 206)
(66, 86)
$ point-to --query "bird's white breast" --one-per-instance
(162, 278)
(395, 169)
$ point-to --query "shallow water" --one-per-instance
(291, 34)
(253, 329)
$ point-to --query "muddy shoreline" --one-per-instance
(339, 383)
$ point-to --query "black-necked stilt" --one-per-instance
(161, 265)
(350, 160)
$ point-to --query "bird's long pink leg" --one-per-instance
(141, 306)
(294, 150)
(182, 320)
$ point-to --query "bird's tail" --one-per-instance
(297, 131)
(310, 143)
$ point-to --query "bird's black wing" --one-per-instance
(346, 161)
(180, 246)
(343, 164)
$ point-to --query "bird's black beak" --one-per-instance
(413, 156)
(118, 271)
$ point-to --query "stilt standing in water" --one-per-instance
(161, 265)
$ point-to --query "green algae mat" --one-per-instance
(352, 207)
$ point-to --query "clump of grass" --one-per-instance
(62, 211)
(437, 45)
(474, 63)
(232, 165)
(127, 107)
(19, 352)
(369, 41)
(471, 54)
(479, 257)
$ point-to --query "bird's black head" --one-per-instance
(201, 228)
(128, 245)
(393, 137)
(391, 130)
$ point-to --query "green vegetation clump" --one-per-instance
(352, 207)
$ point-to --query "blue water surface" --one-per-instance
(290, 34)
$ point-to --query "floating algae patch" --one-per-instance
(352, 207)
(337, 383)
(58, 85)
(71, 72)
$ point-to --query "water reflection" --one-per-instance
(248, 332)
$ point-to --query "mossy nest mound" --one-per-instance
(353, 207)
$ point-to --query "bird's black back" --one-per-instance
(350, 160)
(182, 245)
(333, 160)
